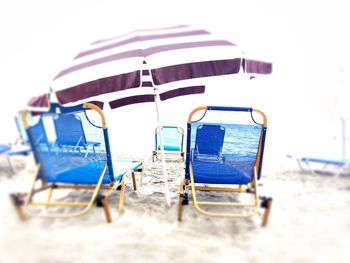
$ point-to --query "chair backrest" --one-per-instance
(71, 164)
(39, 133)
(235, 136)
(209, 139)
(173, 137)
(69, 130)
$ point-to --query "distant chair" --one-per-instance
(224, 154)
(209, 142)
(20, 147)
(322, 165)
(173, 137)
(8, 151)
(326, 165)
(70, 133)
(98, 174)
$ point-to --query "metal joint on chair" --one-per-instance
(265, 201)
(250, 191)
(99, 198)
(17, 199)
(185, 200)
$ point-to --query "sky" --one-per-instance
(307, 41)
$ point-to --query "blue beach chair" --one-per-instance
(204, 150)
(224, 154)
(8, 151)
(173, 137)
(20, 147)
(70, 133)
(97, 173)
(322, 165)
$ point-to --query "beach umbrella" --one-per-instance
(166, 55)
(150, 65)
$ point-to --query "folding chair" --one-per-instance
(224, 154)
(173, 137)
(322, 165)
(8, 151)
(96, 173)
(70, 133)
(20, 147)
(203, 149)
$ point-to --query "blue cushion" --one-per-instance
(15, 150)
(89, 173)
(219, 173)
(339, 162)
(4, 148)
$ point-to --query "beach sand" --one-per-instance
(309, 222)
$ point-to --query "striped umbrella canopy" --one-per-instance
(125, 69)
(148, 65)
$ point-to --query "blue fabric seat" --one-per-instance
(89, 173)
(219, 173)
(4, 148)
(322, 165)
(338, 162)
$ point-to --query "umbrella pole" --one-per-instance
(165, 173)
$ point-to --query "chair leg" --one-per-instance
(181, 200)
(49, 195)
(142, 171)
(101, 200)
(141, 180)
(133, 180)
(121, 196)
(154, 156)
(17, 203)
(180, 208)
(12, 167)
(106, 209)
(267, 204)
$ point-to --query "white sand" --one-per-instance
(309, 222)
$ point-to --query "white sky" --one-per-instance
(306, 40)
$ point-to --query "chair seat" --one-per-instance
(171, 148)
(89, 173)
(4, 148)
(15, 150)
(339, 162)
(218, 173)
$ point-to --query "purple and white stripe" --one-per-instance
(39, 103)
(143, 58)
